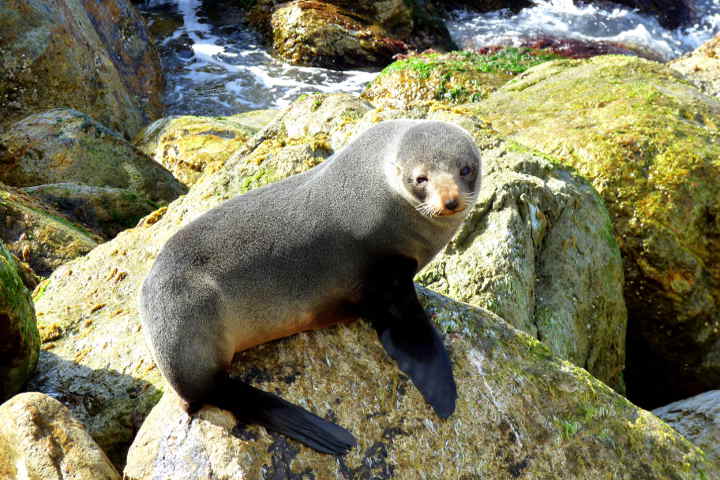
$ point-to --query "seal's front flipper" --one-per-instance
(251, 405)
(409, 337)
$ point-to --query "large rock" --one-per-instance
(189, 146)
(698, 420)
(455, 77)
(89, 319)
(19, 339)
(64, 145)
(106, 211)
(39, 439)
(40, 235)
(649, 143)
(342, 34)
(538, 250)
(702, 66)
(92, 56)
(521, 413)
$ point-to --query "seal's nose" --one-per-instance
(451, 204)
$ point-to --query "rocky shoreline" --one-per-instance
(587, 271)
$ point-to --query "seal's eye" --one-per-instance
(421, 179)
(465, 171)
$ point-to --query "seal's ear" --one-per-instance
(395, 168)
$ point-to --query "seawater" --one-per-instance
(216, 65)
(607, 23)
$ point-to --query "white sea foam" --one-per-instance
(221, 70)
(586, 22)
(216, 68)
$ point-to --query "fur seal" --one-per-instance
(340, 241)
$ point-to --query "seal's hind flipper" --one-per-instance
(409, 337)
(251, 405)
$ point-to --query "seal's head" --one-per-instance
(436, 167)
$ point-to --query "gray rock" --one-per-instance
(521, 413)
(39, 439)
(697, 419)
(538, 250)
(96, 57)
(65, 145)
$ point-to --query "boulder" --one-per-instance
(64, 145)
(189, 146)
(454, 78)
(89, 320)
(521, 413)
(93, 56)
(40, 439)
(698, 420)
(40, 235)
(702, 66)
(341, 34)
(538, 250)
(649, 143)
(19, 338)
(105, 211)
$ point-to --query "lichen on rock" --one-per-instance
(40, 439)
(538, 250)
(190, 146)
(341, 34)
(64, 145)
(649, 143)
(92, 56)
(39, 234)
(521, 412)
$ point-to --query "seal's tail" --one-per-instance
(251, 405)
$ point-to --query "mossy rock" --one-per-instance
(521, 413)
(538, 250)
(189, 146)
(64, 145)
(96, 57)
(455, 78)
(19, 338)
(649, 143)
(40, 235)
(342, 34)
(105, 211)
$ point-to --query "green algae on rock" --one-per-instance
(64, 145)
(105, 211)
(19, 338)
(92, 56)
(521, 413)
(40, 235)
(455, 78)
(190, 146)
(649, 143)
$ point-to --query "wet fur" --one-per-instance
(339, 241)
